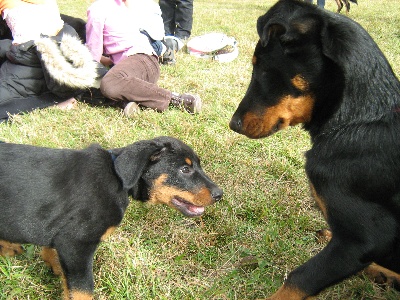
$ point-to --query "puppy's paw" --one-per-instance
(381, 275)
(324, 235)
(10, 249)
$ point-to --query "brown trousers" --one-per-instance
(135, 79)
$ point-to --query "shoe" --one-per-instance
(190, 102)
(131, 109)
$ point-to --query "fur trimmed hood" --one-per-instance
(68, 62)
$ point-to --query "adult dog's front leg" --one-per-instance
(335, 262)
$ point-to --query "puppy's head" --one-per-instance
(291, 71)
(165, 170)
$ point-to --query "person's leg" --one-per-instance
(23, 89)
(168, 15)
(135, 79)
(30, 103)
(321, 3)
(184, 19)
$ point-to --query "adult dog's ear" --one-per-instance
(133, 160)
(338, 40)
(330, 42)
(293, 36)
(273, 28)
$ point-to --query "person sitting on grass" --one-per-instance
(114, 35)
(35, 72)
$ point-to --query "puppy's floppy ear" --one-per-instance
(272, 28)
(157, 155)
(132, 161)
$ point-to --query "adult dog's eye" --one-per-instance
(185, 169)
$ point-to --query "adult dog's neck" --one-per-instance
(362, 90)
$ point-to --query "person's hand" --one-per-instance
(106, 61)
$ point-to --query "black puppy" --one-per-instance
(322, 69)
(78, 24)
(69, 200)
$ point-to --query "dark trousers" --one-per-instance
(135, 79)
(320, 3)
(178, 17)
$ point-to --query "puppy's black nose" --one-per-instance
(236, 124)
(217, 194)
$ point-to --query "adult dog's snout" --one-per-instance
(216, 194)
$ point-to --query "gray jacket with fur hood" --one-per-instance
(41, 73)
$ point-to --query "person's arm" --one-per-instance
(94, 34)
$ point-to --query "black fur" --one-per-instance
(78, 24)
(324, 70)
(67, 199)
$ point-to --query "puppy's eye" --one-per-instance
(185, 169)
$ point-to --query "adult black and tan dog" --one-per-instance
(69, 200)
(346, 3)
(322, 69)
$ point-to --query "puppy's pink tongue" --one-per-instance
(196, 209)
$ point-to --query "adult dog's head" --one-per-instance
(165, 170)
(305, 65)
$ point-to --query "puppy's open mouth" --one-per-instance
(187, 208)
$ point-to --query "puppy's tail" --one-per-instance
(354, 1)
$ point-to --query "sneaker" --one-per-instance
(131, 109)
(190, 102)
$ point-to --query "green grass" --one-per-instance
(244, 246)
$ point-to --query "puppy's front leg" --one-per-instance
(76, 260)
(9, 249)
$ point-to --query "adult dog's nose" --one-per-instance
(236, 124)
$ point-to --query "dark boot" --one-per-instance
(191, 103)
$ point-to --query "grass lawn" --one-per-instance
(245, 245)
